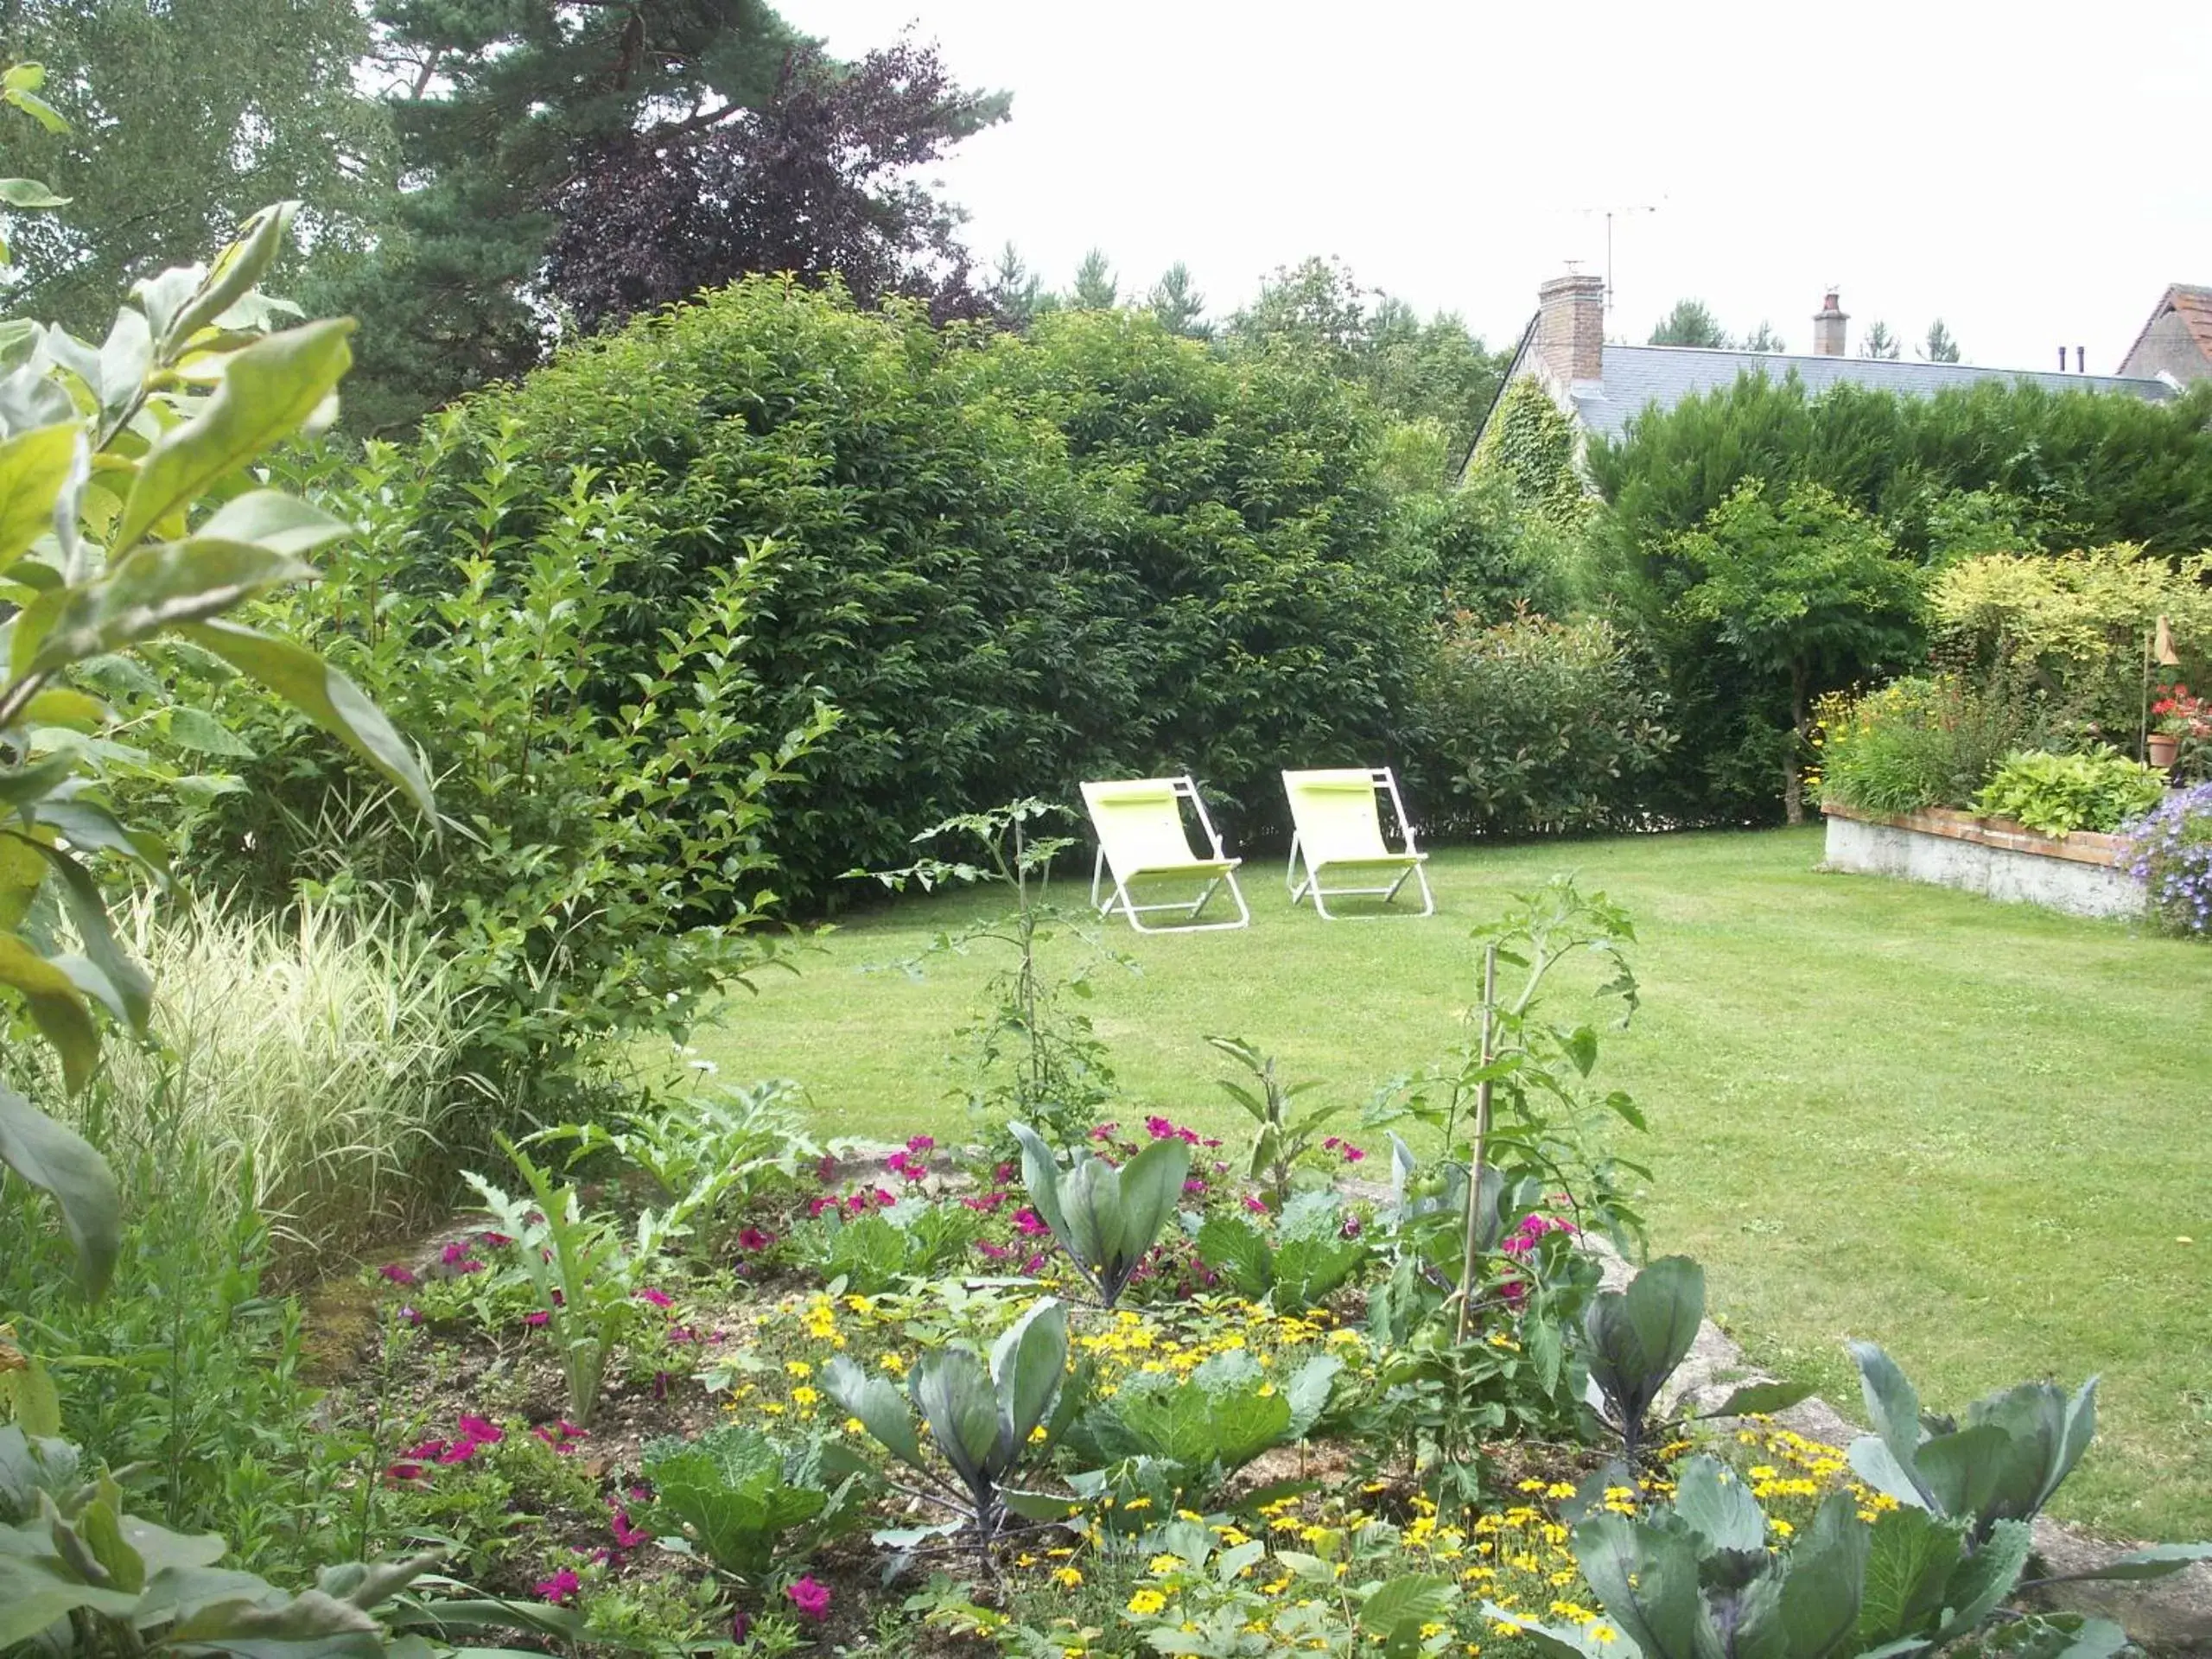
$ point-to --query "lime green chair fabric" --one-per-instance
(1142, 846)
(1336, 815)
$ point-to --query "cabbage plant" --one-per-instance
(746, 1500)
(982, 1420)
(1307, 1260)
(1183, 1436)
(1104, 1219)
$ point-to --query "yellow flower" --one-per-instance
(805, 1399)
(1146, 1603)
(854, 1426)
(1067, 1576)
(1604, 1633)
(798, 1368)
(1162, 1566)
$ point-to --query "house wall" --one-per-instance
(2168, 345)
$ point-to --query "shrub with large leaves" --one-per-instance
(982, 1420)
(1307, 1260)
(1181, 1436)
(1105, 1218)
(131, 521)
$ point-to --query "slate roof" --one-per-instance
(1636, 376)
(2194, 306)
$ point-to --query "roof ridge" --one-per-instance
(1900, 362)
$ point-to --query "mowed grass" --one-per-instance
(1976, 1134)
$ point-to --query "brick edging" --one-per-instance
(2082, 847)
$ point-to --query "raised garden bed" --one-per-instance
(2083, 875)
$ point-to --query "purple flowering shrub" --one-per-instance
(2169, 852)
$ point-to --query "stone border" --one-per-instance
(2083, 875)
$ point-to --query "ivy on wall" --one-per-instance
(1530, 441)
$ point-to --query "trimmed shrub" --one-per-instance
(1534, 727)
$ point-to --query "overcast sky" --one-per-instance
(2032, 174)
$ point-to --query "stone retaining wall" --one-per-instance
(2081, 875)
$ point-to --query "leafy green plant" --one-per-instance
(2056, 794)
(748, 1503)
(2016, 1449)
(1307, 1260)
(873, 1252)
(1105, 1220)
(705, 1148)
(114, 457)
(1922, 741)
(586, 1276)
(1634, 1339)
(1181, 1436)
(1033, 1057)
(984, 1422)
(1286, 1138)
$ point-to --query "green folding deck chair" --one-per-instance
(1337, 817)
(1141, 840)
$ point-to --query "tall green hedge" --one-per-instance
(1009, 562)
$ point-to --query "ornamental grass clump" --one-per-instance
(2169, 852)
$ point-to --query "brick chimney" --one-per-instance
(1571, 327)
(1828, 328)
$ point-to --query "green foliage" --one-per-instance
(604, 863)
(1105, 1220)
(585, 1274)
(1802, 588)
(875, 1252)
(111, 458)
(983, 1422)
(177, 118)
(1538, 726)
(1634, 1339)
(2056, 794)
(2074, 626)
(1307, 1260)
(1285, 1140)
(1034, 1058)
(1177, 1439)
(1479, 551)
(1921, 742)
(750, 1505)
(1690, 323)
(1530, 443)
(2017, 1447)
(708, 1149)
(1940, 347)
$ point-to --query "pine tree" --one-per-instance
(1689, 324)
(1880, 343)
(1095, 287)
(1180, 307)
(1940, 348)
(1013, 290)
(1762, 338)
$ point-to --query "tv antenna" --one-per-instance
(1622, 211)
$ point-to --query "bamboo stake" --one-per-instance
(1476, 1146)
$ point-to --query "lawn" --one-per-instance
(1974, 1133)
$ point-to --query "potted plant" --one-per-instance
(2178, 718)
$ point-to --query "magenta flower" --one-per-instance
(993, 1252)
(920, 1143)
(398, 1273)
(740, 1627)
(426, 1449)
(1352, 1154)
(1029, 1223)
(1033, 1263)
(987, 1204)
(816, 1206)
(558, 1588)
(537, 1319)
(826, 1171)
(811, 1600)
(405, 1470)
(481, 1430)
(410, 1314)
(457, 1259)
(1255, 1206)
(1194, 1185)
(657, 1297)
(459, 1452)
(626, 1536)
(493, 1241)
(1002, 1174)
(752, 1238)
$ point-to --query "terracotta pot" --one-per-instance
(2163, 748)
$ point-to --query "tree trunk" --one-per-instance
(1793, 781)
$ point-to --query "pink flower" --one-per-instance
(626, 1536)
(921, 1143)
(1255, 1206)
(1002, 1174)
(481, 1430)
(409, 1314)
(494, 1241)
(426, 1449)
(883, 1197)
(1029, 1223)
(1194, 1185)
(987, 1204)
(1105, 1132)
(459, 1452)
(398, 1273)
(993, 1252)
(816, 1206)
(657, 1297)
(809, 1599)
(537, 1319)
(560, 1437)
(1033, 1263)
(740, 1627)
(752, 1238)
(1352, 1154)
(558, 1588)
(457, 1259)
(826, 1171)
(405, 1470)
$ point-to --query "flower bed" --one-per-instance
(2083, 874)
